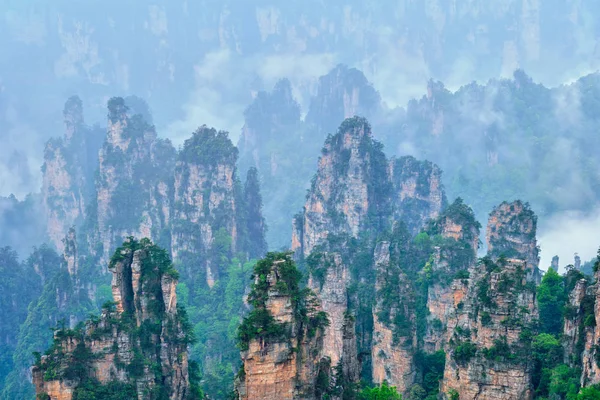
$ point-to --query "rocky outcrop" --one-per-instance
(281, 338)
(591, 333)
(133, 184)
(206, 196)
(355, 194)
(511, 233)
(393, 345)
(487, 356)
(113, 352)
(342, 93)
(69, 164)
(573, 329)
(452, 260)
(330, 279)
(418, 191)
(351, 182)
(487, 359)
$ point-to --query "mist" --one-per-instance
(568, 233)
(202, 64)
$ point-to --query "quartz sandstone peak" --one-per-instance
(67, 173)
(133, 184)
(341, 196)
(205, 205)
(281, 338)
(144, 327)
(511, 232)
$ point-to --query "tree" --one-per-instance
(551, 299)
(383, 392)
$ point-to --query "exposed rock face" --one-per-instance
(339, 337)
(392, 350)
(282, 366)
(573, 328)
(591, 352)
(507, 307)
(341, 196)
(454, 259)
(511, 232)
(418, 191)
(357, 192)
(486, 358)
(133, 184)
(69, 163)
(115, 349)
(342, 93)
(206, 192)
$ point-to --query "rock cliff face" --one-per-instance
(69, 164)
(342, 93)
(281, 339)
(355, 195)
(418, 191)
(452, 259)
(206, 203)
(133, 184)
(511, 232)
(113, 352)
(591, 333)
(351, 183)
(394, 345)
(573, 329)
(488, 356)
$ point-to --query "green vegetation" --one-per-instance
(463, 352)
(431, 367)
(259, 324)
(72, 355)
(551, 297)
(382, 392)
(209, 148)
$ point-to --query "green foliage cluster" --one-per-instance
(551, 297)
(382, 392)
(209, 148)
(259, 324)
(215, 314)
(431, 367)
(463, 352)
(76, 365)
(43, 313)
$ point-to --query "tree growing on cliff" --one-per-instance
(551, 300)
(383, 392)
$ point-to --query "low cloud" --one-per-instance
(567, 233)
(225, 83)
(20, 156)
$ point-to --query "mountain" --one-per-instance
(406, 302)
(136, 348)
(191, 201)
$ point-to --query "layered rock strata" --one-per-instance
(281, 361)
(67, 173)
(144, 327)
